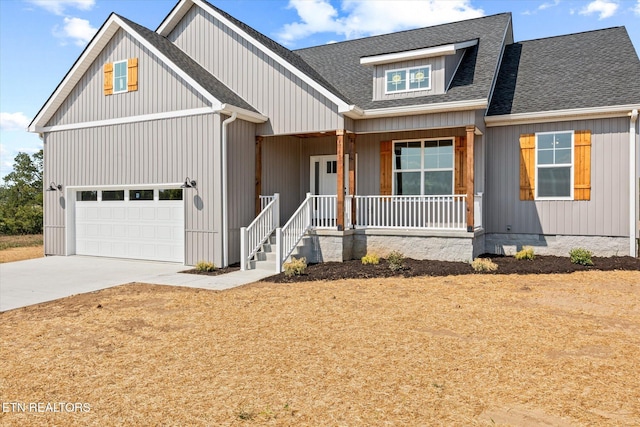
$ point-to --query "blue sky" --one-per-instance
(41, 39)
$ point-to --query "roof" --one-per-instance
(211, 84)
(583, 70)
(339, 63)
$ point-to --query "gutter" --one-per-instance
(356, 112)
(633, 182)
(225, 216)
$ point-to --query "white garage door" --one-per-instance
(137, 224)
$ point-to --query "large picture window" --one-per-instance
(554, 165)
(408, 79)
(423, 167)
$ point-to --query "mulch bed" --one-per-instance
(354, 269)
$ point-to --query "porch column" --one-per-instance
(352, 174)
(258, 173)
(340, 185)
(469, 184)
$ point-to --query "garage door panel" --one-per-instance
(135, 229)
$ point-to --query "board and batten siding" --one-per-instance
(606, 214)
(241, 145)
(144, 153)
(437, 78)
(159, 88)
(291, 105)
(418, 121)
(281, 172)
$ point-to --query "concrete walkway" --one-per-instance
(33, 281)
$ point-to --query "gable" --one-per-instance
(160, 89)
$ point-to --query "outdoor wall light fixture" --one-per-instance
(188, 183)
(54, 187)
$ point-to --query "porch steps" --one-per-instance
(265, 258)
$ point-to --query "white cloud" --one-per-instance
(636, 9)
(364, 18)
(604, 8)
(13, 121)
(77, 29)
(58, 6)
(548, 5)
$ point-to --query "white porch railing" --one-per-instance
(288, 237)
(325, 211)
(264, 201)
(254, 235)
(421, 212)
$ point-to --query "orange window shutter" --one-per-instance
(108, 78)
(460, 165)
(386, 170)
(582, 165)
(132, 74)
(527, 166)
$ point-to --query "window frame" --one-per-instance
(554, 165)
(423, 169)
(126, 76)
(407, 70)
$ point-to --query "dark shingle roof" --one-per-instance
(339, 63)
(283, 52)
(582, 70)
(204, 78)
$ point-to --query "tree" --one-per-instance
(21, 196)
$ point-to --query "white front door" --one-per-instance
(324, 175)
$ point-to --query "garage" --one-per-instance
(143, 223)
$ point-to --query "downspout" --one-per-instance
(633, 182)
(225, 217)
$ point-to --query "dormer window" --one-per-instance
(408, 79)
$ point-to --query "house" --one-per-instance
(200, 140)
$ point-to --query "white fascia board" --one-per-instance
(154, 186)
(172, 21)
(560, 115)
(429, 52)
(246, 115)
(90, 54)
(125, 120)
(474, 104)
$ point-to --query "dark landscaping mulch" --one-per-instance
(216, 272)
(354, 269)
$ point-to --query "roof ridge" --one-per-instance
(573, 34)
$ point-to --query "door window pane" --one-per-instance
(170, 194)
(109, 196)
(140, 194)
(87, 196)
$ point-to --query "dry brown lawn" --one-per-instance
(18, 248)
(466, 350)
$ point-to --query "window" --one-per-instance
(140, 194)
(170, 194)
(87, 196)
(423, 167)
(554, 165)
(408, 79)
(110, 196)
(332, 166)
(119, 76)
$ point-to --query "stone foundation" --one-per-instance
(559, 245)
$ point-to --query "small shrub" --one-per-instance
(205, 266)
(295, 267)
(581, 256)
(370, 259)
(484, 264)
(525, 253)
(395, 260)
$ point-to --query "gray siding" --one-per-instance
(451, 63)
(606, 214)
(281, 172)
(420, 121)
(241, 181)
(291, 104)
(437, 78)
(159, 88)
(154, 152)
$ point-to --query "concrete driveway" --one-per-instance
(38, 280)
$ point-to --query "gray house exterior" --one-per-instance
(200, 140)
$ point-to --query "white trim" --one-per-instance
(124, 120)
(571, 167)
(429, 52)
(179, 11)
(92, 51)
(633, 183)
(560, 115)
(242, 114)
(407, 83)
(441, 107)
(144, 186)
